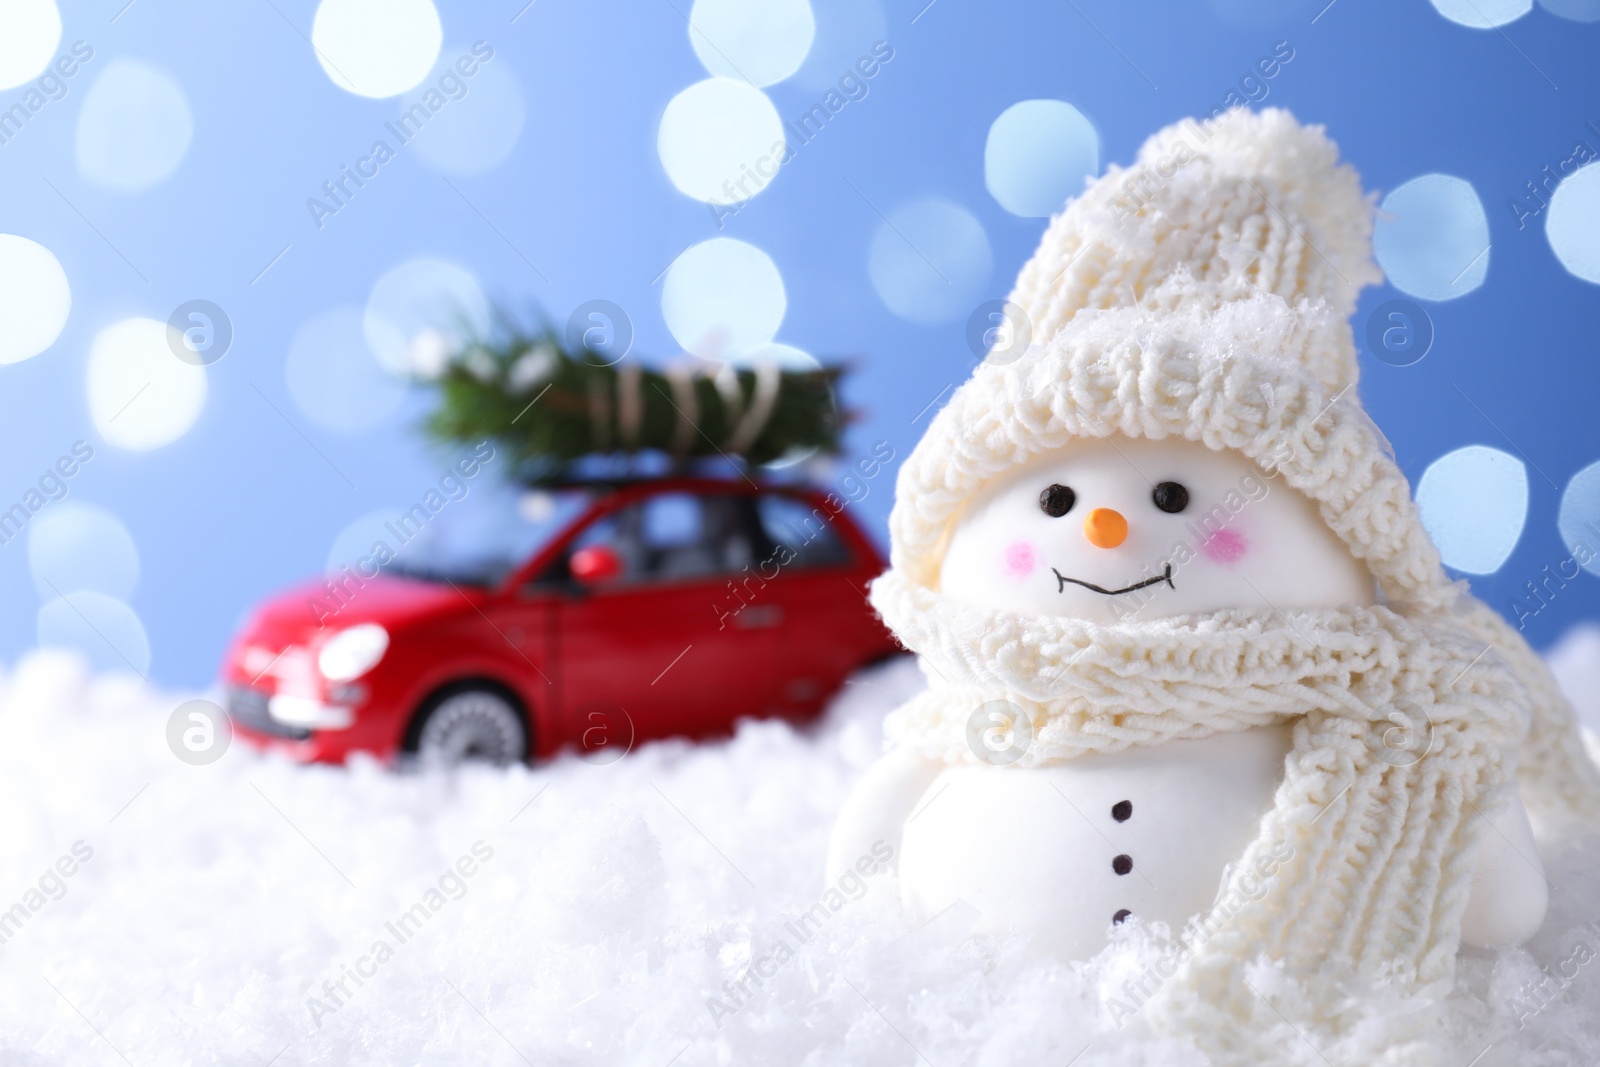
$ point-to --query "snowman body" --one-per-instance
(1065, 851)
(1112, 530)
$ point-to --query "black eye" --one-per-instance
(1170, 497)
(1057, 500)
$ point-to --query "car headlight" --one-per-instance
(351, 653)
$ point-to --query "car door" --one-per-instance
(650, 640)
(821, 625)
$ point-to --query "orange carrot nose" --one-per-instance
(1105, 528)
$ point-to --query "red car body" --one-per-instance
(682, 655)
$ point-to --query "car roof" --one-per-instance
(679, 483)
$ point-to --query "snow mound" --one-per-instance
(664, 909)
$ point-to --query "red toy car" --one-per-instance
(592, 614)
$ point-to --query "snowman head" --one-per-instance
(1115, 528)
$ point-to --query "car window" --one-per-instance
(672, 521)
(677, 536)
(807, 532)
(476, 539)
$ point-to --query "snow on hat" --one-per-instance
(1202, 293)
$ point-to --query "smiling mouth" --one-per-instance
(1062, 580)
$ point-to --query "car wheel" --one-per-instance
(472, 724)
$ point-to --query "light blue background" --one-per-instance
(241, 505)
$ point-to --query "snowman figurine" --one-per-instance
(1192, 658)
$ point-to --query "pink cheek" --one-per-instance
(1225, 546)
(1018, 560)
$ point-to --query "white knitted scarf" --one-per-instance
(1401, 733)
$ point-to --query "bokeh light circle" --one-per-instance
(1572, 224)
(134, 127)
(1037, 156)
(1432, 238)
(1474, 503)
(721, 141)
(354, 542)
(930, 261)
(377, 48)
(846, 30)
(35, 298)
(480, 121)
(29, 33)
(75, 547)
(1483, 14)
(1575, 10)
(333, 376)
(723, 297)
(104, 629)
(140, 395)
(422, 302)
(1578, 520)
(762, 41)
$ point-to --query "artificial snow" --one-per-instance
(667, 908)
